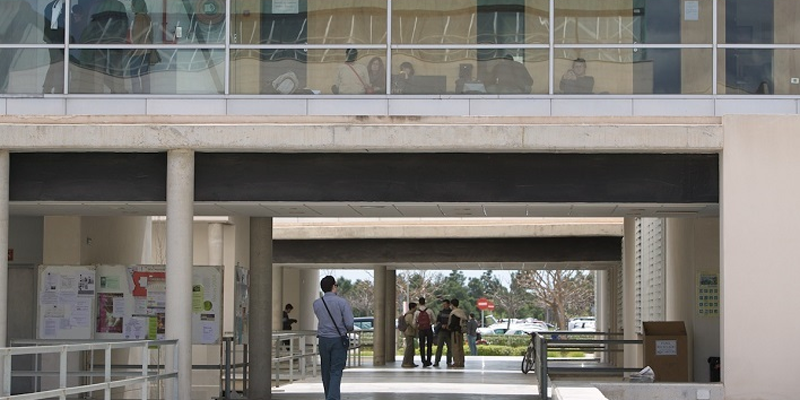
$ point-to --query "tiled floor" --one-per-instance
(482, 378)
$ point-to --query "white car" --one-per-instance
(527, 328)
(582, 324)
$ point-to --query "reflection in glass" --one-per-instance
(172, 21)
(269, 71)
(460, 72)
(23, 71)
(303, 21)
(173, 71)
(753, 71)
(633, 71)
(20, 22)
(470, 21)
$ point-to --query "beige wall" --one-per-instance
(759, 274)
(692, 246)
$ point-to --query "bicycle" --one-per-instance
(529, 359)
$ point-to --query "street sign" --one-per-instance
(490, 306)
(483, 303)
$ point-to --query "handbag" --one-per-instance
(344, 338)
(367, 89)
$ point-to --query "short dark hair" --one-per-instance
(289, 306)
(454, 302)
(421, 300)
(412, 305)
(446, 301)
(326, 284)
(351, 55)
(580, 60)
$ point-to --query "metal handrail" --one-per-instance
(64, 348)
(559, 340)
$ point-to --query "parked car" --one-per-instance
(527, 328)
(582, 324)
(364, 323)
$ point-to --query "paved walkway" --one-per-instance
(482, 378)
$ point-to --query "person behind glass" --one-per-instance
(54, 33)
(457, 332)
(141, 59)
(509, 76)
(443, 334)
(409, 334)
(108, 24)
(472, 335)
(352, 78)
(425, 330)
(763, 88)
(335, 318)
(403, 79)
(377, 75)
(575, 81)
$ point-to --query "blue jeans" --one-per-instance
(473, 346)
(333, 357)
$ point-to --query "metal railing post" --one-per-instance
(145, 362)
(62, 372)
(6, 372)
(175, 390)
(228, 341)
(107, 372)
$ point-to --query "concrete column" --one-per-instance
(180, 212)
(4, 184)
(759, 274)
(309, 291)
(216, 244)
(379, 338)
(260, 308)
(277, 297)
(633, 355)
(391, 309)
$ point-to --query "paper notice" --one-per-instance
(209, 332)
(691, 10)
(136, 328)
(50, 328)
(51, 281)
(198, 297)
(80, 313)
(48, 298)
(109, 282)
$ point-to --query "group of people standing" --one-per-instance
(447, 327)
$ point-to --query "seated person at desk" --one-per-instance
(402, 82)
(509, 76)
(377, 75)
(575, 81)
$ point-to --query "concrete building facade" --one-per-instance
(691, 118)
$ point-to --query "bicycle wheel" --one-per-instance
(527, 361)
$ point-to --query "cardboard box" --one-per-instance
(666, 350)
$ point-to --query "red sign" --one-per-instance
(483, 303)
(490, 306)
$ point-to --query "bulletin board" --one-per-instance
(66, 302)
(128, 302)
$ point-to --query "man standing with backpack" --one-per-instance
(410, 333)
(424, 318)
(443, 333)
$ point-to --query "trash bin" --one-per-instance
(714, 369)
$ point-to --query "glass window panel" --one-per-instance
(460, 71)
(303, 21)
(587, 21)
(316, 71)
(171, 71)
(629, 71)
(24, 71)
(743, 21)
(754, 71)
(21, 22)
(156, 21)
(470, 21)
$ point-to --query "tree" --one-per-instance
(360, 294)
(566, 292)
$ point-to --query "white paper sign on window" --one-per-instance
(285, 6)
(691, 10)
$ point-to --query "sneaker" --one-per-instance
(436, 365)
